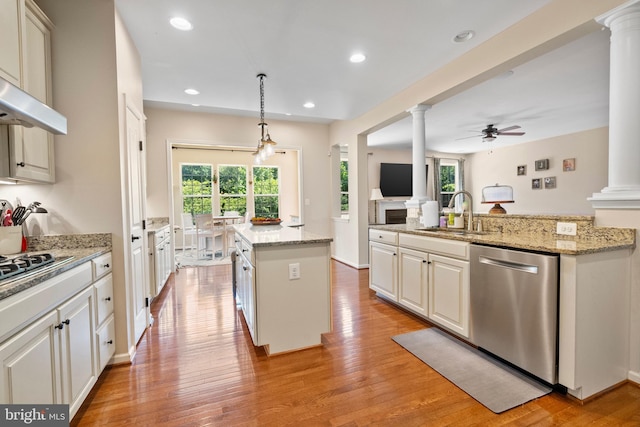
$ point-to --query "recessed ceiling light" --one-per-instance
(309, 105)
(357, 58)
(181, 24)
(464, 36)
(195, 105)
(191, 92)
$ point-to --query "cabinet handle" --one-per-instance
(379, 237)
(394, 254)
(245, 250)
(66, 322)
(244, 268)
(107, 299)
(21, 164)
(59, 326)
(110, 342)
(105, 266)
(424, 260)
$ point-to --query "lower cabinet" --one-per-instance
(57, 357)
(160, 259)
(449, 293)
(384, 277)
(77, 348)
(418, 275)
(31, 364)
(414, 280)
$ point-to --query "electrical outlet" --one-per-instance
(294, 271)
(566, 228)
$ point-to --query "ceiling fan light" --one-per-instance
(488, 138)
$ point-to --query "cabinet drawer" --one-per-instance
(106, 342)
(104, 298)
(382, 236)
(247, 252)
(434, 245)
(101, 265)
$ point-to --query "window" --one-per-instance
(233, 188)
(344, 186)
(196, 188)
(449, 179)
(266, 190)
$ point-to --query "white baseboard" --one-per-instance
(634, 376)
(121, 358)
(349, 263)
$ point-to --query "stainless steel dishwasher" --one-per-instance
(514, 307)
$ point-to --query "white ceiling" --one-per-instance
(303, 46)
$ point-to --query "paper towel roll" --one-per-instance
(430, 215)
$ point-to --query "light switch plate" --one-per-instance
(566, 228)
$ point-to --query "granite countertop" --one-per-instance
(277, 235)
(605, 239)
(153, 227)
(13, 285)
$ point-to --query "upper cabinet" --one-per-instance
(30, 150)
(11, 24)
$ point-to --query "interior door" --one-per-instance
(139, 286)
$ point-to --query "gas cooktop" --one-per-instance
(22, 265)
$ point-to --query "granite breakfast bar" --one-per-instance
(283, 285)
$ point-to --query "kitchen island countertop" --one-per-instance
(276, 235)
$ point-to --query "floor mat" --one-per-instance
(490, 382)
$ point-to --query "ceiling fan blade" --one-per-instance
(508, 128)
(511, 133)
(467, 137)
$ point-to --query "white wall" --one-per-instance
(310, 139)
(590, 149)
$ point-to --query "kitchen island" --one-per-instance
(283, 285)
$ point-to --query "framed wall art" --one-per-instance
(542, 165)
(569, 165)
(522, 170)
(550, 182)
(536, 183)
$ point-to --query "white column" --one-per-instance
(419, 187)
(623, 189)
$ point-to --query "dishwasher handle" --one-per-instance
(533, 269)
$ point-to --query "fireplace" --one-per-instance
(395, 216)
(397, 212)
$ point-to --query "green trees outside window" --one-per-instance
(232, 182)
(447, 182)
(266, 190)
(196, 189)
(344, 186)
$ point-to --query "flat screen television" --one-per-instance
(396, 179)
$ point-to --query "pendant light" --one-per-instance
(266, 146)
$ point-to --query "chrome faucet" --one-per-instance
(453, 198)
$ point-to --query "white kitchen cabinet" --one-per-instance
(31, 150)
(160, 258)
(383, 271)
(105, 332)
(11, 24)
(449, 293)
(246, 286)
(57, 356)
(428, 276)
(77, 348)
(31, 364)
(413, 280)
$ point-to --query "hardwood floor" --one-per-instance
(197, 366)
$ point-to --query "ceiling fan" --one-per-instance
(490, 133)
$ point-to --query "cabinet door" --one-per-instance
(168, 261)
(249, 308)
(11, 21)
(383, 270)
(30, 363)
(77, 348)
(105, 343)
(32, 152)
(413, 275)
(104, 298)
(449, 293)
(158, 267)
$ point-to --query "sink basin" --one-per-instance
(456, 231)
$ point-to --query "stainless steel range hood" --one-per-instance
(19, 108)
